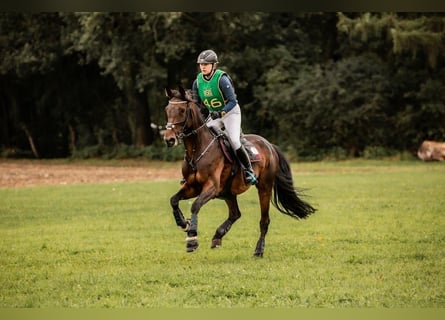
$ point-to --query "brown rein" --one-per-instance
(182, 134)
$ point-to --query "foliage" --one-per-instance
(340, 105)
(376, 152)
(314, 83)
(155, 151)
(29, 43)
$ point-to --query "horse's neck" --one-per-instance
(199, 142)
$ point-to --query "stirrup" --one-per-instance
(249, 177)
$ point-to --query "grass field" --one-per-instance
(377, 240)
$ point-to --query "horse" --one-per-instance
(209, 173)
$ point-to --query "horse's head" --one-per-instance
(181, 121)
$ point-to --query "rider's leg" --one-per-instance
(232, 122)
(249, 175)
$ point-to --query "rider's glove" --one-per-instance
(217, 114)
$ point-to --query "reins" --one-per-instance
(193, 163)
(182, 135)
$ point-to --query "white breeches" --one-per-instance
(232, 122)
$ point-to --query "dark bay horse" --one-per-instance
(209, 174)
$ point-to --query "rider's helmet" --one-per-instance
(207, 56)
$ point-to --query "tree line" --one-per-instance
(316, 84)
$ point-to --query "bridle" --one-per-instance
(171, 125)
(182, 135)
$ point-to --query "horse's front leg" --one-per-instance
(207, 194)
(186, 192)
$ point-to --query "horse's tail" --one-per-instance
(286, 198)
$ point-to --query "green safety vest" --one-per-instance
(209, 91)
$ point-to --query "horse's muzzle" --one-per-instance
(171, 141)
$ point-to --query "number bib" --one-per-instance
(209, 91)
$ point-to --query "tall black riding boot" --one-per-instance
(249, 175)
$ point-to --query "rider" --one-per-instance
(214, 88)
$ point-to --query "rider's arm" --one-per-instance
(195, 95)
(228, 92)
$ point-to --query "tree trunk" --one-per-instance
(140, 116)
(72, 139)
(31, 141)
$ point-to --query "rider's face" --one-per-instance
(206, 68)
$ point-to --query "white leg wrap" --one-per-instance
(187, 226)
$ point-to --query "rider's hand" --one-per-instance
(215, 114)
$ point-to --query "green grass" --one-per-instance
(377, 240)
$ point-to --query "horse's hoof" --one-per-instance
(191, 249)
(191, 244)
(216, 243)
(258, 254)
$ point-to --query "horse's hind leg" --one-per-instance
(264, 222)
(234, 214)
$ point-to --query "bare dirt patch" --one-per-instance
(25, 173)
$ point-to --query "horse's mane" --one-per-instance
(187, 95)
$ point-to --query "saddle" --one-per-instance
(230, 155)
(228, 151)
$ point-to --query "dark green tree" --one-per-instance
(413, 44)
(117, 44)
(29, 47)
(314, 83)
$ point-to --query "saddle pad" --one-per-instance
(252, 151)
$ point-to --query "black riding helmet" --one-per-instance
(207, 56)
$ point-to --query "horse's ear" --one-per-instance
(182, 92)
(168, 92)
